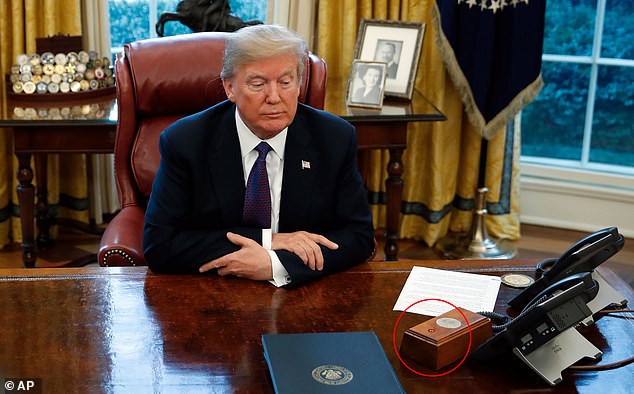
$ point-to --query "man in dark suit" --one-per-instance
(317, 220)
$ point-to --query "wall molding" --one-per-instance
(575, 199)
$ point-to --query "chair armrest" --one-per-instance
(122, 242)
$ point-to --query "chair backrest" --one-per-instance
(161, 80)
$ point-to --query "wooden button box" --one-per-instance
(444, 339)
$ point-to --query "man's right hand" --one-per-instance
(305, 245)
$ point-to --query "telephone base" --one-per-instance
(558, 354)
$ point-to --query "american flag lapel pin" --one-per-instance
(305, 165)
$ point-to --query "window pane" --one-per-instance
(569, 27)
(170, 28)
(552, 125)
(129, 21)
(613, 123)
(618, 30)
(249, 9)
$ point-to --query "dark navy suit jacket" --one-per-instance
(198, 193)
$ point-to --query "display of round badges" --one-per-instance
(517, 280)
(80, 72)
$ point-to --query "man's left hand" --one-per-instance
(252, 261)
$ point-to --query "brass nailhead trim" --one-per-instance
(120, 252)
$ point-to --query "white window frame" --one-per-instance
(579, 195)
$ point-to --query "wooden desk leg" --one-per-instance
(394, 189)
(26, 197)
(42, 220)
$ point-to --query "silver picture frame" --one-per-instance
(396, 43)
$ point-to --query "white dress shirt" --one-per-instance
(275, 169)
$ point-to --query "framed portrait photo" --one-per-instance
(398, 45)
(366, 84)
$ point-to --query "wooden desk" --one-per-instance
(386, 128)
(39, 128)
(129, 330)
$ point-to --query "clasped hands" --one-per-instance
(252, 261)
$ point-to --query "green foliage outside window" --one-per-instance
(553, 125)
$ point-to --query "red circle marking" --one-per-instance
(418, 372)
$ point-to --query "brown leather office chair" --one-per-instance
(158, 82)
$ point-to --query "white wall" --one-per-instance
(577, 200)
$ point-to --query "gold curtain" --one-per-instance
(442, 158)
(22, 22)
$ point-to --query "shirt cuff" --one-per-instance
(280, 275)
(267, 238)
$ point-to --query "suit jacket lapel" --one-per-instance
(225, 163)
(298, 184)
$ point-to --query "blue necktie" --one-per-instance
(257, 199)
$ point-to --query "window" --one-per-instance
(584, 118)
(132, 20)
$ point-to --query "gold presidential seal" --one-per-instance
(334, 375)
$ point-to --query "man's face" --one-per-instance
(266, 93)
(386, 53)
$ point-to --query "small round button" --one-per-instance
(75, 86)
(53, 87)
(47, 58)
(41, 88)
(21, 59)
(18, 87)
(29, 87)
(83, 57)
(48, 69)
(64, 87)
(61, 59)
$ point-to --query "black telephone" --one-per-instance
(583, 256)
(551, 308)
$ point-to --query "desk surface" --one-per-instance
(129, 330)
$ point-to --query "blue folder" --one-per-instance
(335, 362)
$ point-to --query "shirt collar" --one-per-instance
(248, 140)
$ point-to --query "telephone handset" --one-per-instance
(583, 256)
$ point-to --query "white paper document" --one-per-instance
(473, 292)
